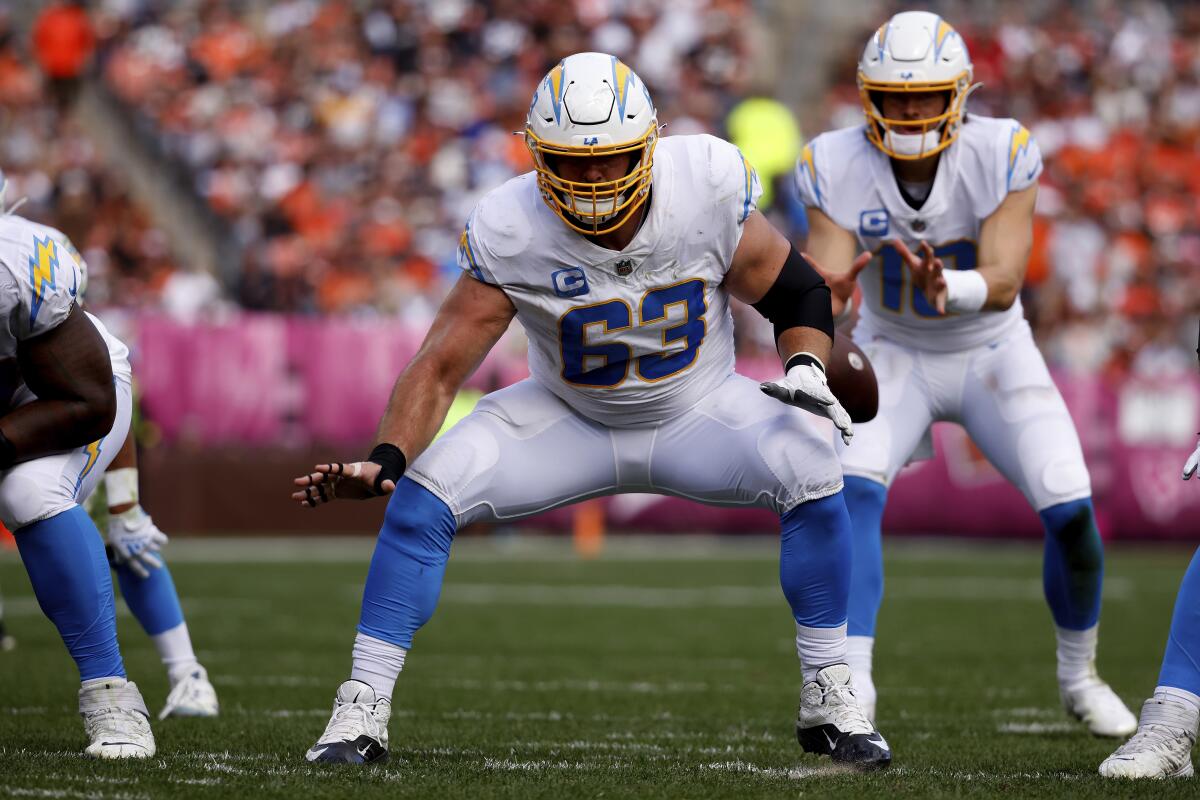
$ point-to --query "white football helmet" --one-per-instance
(915, 51)
(592, 104)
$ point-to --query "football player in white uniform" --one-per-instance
(930, 211)
(1166, 734)
(65, 391)
(134, 550)
(618, 254)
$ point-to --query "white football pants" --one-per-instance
(523, 451)
(1001, 393)
(36, 490)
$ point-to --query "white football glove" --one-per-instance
(805, 387)
(1189, 469)
(134, 539)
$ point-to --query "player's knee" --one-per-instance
(418, 524)
(1072, 526)
(27, 497)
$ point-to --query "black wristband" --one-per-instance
(392, 461)
(802, 358)
(8, 453)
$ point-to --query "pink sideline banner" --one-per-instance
(268, 380)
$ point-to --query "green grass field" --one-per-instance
(665, 668)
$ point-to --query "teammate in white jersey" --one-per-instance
(618, 254)
(930, 211)
(65, 391)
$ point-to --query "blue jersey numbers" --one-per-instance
(896, 283)
(606, 365)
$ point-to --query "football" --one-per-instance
(852, 380)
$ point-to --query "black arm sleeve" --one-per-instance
(799, 298)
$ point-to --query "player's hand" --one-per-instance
(135, 539)
(354, 481)
(1189, 468)
(841, 284)
(805, 387)
(926, 273)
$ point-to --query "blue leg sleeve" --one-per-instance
(69, 572)
(814, 561)
(1181, 663)
(152, 600)
(865, 500)
(1073, 565)
(405, 577)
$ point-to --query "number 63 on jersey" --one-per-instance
(606, 365)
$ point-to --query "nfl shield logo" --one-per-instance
(624, 267)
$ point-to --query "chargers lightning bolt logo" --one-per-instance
(42, 267)
(93, 455)
(1018, 143)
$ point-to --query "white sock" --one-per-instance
(1183, 697)
(377, 663)
(858, 655)
(818, 648)
(175, 649)
(1076, 654)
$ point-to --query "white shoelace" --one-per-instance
(1157, 739)
(350, 720)
(117, 719)
(848, 715)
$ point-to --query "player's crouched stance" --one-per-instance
(67, 411)
(618, 254)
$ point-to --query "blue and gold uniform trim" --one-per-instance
(467, 252)
(807, 160)
(93, 451)
(751, 178)
(1018, 143)
(43, 265)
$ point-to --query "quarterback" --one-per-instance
(618, 253)
(938, 206)
(65, 385)
(1162, 746)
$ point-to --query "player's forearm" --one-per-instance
(805, 340)
(44, 427)
(417, 408)
(1003, 286)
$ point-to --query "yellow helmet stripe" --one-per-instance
(554, 82)
(944, 30)
(622, 77)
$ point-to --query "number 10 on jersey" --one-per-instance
(606, 365)
(956, 255)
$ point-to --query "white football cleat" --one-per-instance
(831, 722)
(1096, 705)
(357, 732)
(116, 719)
(864, 690)
(1162, 746)
(192, 696)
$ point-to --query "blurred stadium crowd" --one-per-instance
(346, 143)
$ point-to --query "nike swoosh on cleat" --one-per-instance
(832, 743)
(366, 748)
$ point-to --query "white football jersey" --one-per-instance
(39, 282)
(851, 181)
(629, 337)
